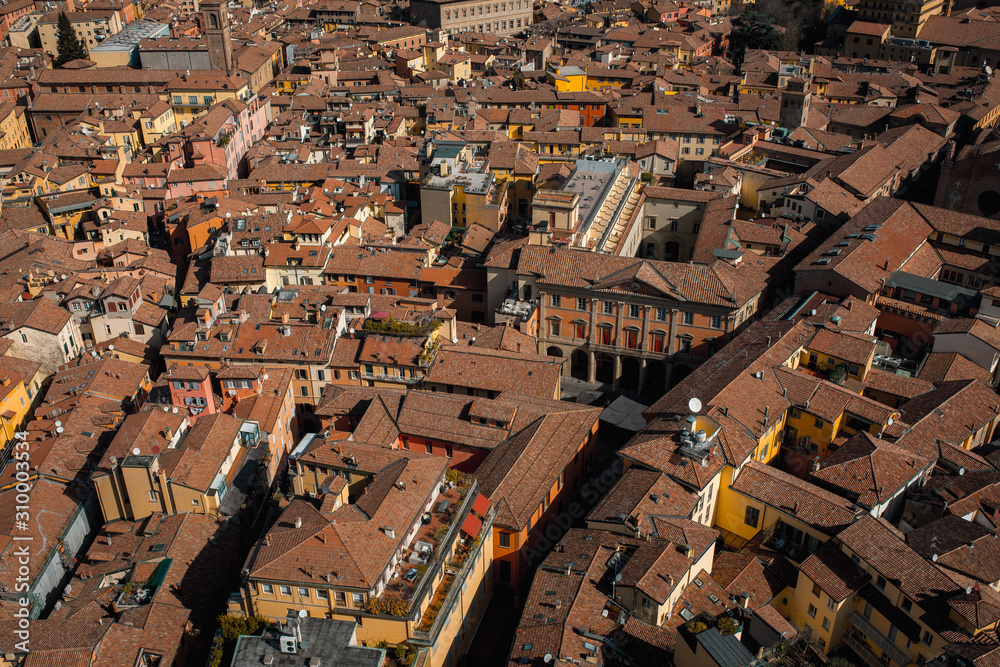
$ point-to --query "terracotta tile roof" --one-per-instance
(524, 469)
(896, 385)
(852, 348)
(959, 545)
(40, 314)
(742, 572)
(869, 471)
(795, 497)
(640, 495)
(942, 367)
(972, 326)
(883, 548)
(833, 571)
(719, 284)
(901, 231)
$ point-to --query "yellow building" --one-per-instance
(567, 79)
(13, 127)
(158, 463)
(190, 96)
(157, 121)
(18, 387)
(415, 570)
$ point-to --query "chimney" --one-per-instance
(168, 433)
(284, 318)
(744, 599)
(298, 522)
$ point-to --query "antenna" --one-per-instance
(694, 405)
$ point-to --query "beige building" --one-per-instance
(506, 17)
(158, 463)
(907, 18)
(92, 28)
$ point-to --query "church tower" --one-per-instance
(215, 25)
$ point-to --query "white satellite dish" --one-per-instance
(60, 430)
(547, 659)
(111, 347)
(58, 423)
(174, 411)
(352, 331)
(166, 408)
(303, 613)
(137, 451)
(229, 214)
(322, 308)
(889, 423)
(266, 376)
(694, 405)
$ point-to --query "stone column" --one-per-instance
(618, 370)
(591, 367)
(642, 373)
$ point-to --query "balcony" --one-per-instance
(863, 629)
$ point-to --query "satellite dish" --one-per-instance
(174, 410)
(618, 577)
(547, 659)
(229, 214)
(352, 331)
(60, 430)
(266, 376)
(111, 347)
(694, 405)
(812, 312)
(322, 308)
(303, 613)
(58, 423)
(166, 408)
(137, 451)
(889, 423)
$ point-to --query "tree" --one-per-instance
(68, 45)
(751, 30)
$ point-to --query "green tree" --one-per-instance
(751, 30)
(68, 45)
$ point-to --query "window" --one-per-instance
(505, 540)
(322, 595)
(554, 300)
(267, 589)
(152, 496)
(358, 599)
(24, 339)
(657, 341)
(880, 583)
(633, 310)
(609, 307)
(716, 321)
(661, 314)
(303, 592)
(340, 597)
(752, 516)
(604, 336)
(907, 605)
(826, 624)
(867, 611)
(818, 423)
(554, 327)
(688, 318)
(650, 222)
(812, 610)
(893, 633)
(817, 591)
(581, 303)
(928, 638)
(830, 603)
(579, 330)
(632, 339)
(285, 590)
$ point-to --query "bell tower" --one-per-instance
(215, 25)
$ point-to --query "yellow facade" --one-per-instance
(14, 129)
(189, 104)
(14, 408)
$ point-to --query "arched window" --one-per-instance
(555, 326)
(213, 21)
(632, 338)
(605, 334)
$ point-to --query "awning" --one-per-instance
(471, 526)
(625, 413)
(481, 505)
